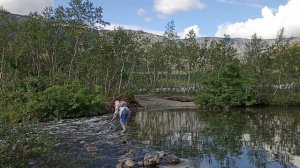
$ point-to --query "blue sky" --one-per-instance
(238, 18)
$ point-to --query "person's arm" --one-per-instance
(115, 115)
(116, 112)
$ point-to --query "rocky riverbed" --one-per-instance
(97, 142)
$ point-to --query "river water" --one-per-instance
(262, 137)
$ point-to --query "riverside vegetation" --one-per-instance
(62, 64)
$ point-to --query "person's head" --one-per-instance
(117, 104)
(123, 103)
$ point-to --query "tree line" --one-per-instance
(67, 47)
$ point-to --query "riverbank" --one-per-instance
(165, 102)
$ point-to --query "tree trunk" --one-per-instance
(130, 76)
(2, 69)
(72, 60)
(106, 83)
(121, 78)
(150, 77)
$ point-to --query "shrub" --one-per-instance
(20, 144)
(67, 101)
(288, 97)
(227, 89)
(13, 106)
(59, 101)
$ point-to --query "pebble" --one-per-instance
(129, 163)
(92, 148)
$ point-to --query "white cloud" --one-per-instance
(267, 26)
(169, 7)
(132, 27)
(235, 2)
(142, 13)
(23, 7)
(186, 31)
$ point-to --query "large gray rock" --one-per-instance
(160, 158)
(151, 159)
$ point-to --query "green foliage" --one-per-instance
(226, 90)
(13, 106)
(68, 101)
(286, 97)
(24, 145)
(58, 101)
(20, 144)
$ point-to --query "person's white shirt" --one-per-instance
(122, 108)
(119, 108)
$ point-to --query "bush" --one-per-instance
(13, 106)
(68, 101)
(26, 146)
(286, 98)
(227, 89)
(20, 144)
(59, 101)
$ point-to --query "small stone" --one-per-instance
(146, 142)
(141, 164)
(58, 144)
(129, 163)
(120, 163)
(82, 142)
(91, 149)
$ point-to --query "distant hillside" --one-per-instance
(18, 17)
(238, 43)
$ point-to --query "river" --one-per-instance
(261, 137)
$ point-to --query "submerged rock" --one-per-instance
(91, 148)
(160, 158)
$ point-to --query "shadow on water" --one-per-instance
(268, 137)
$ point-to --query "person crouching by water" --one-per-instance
(123, 111)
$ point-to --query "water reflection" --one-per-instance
(251, 138)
